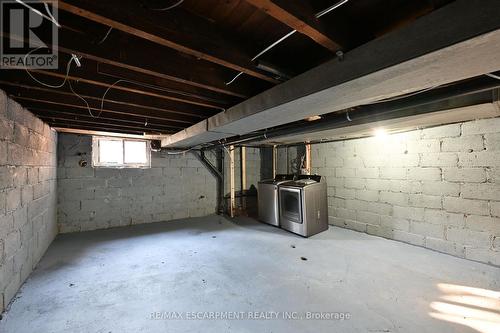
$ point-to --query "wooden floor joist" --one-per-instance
(115, 100)
(172, 30)
(161, 63)
(299, 16)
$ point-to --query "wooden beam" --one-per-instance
(176, 30)
(308, 158)
(106, 123)
(218, 99)
(82, 77)
(159, 62)
(71, 114)
(79, 109)
(113, 97)
(298, 15)
(428, 53)
(89, 73)
(35, 103)
(58, 97)
(66, 126)
(107, 133)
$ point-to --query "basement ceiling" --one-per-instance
(161, 66)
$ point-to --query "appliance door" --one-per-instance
(268, 203)
(291, 204)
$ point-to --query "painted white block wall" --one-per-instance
(27, 194)
(253, 168)
(438, 188)
(175, 187)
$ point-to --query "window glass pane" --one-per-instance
(136, 152)
(111, 151)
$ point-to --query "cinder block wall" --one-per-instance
(253, 170)
(438, 187)
(291, 154)
(177, 186)
(27, 194)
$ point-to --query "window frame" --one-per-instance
(96, 163)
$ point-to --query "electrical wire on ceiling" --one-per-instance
(74, 58)
(84, 100)
(172, 91)
(105, 36)
(493, 76)
(49, 17)
(178, 3)
(136, 83)
(264, 51)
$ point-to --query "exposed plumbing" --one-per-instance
(267, 49)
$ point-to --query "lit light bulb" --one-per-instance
(380, 133)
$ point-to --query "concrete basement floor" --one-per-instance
(113, 280)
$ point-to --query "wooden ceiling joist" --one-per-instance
(176, 30)
(26, 94)
(70, 114)
(299, 16)
(68, 125)
(185, 90)
(83, 77)
(162, 63)
(106, 123)
(94, 97)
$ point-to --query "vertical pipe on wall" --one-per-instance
(220, 188)
(275, 158)
(243, 167)
(287, 160)
(231, 179)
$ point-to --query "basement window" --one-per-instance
(110, 152)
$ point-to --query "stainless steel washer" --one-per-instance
(304, 205)
(268, 199)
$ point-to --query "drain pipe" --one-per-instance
(217, 172)
(382, 110)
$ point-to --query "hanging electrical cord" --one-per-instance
(74, 58)
(105, 36)
(136, 83)
(68, 67)
(178, 3)
(172, 91)
(261, 53)
(107, 90)
(84, 100)
(50, 17)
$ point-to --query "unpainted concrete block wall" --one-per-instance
(288, 160)
(27, 194)
(175, 187)
(438, 188)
